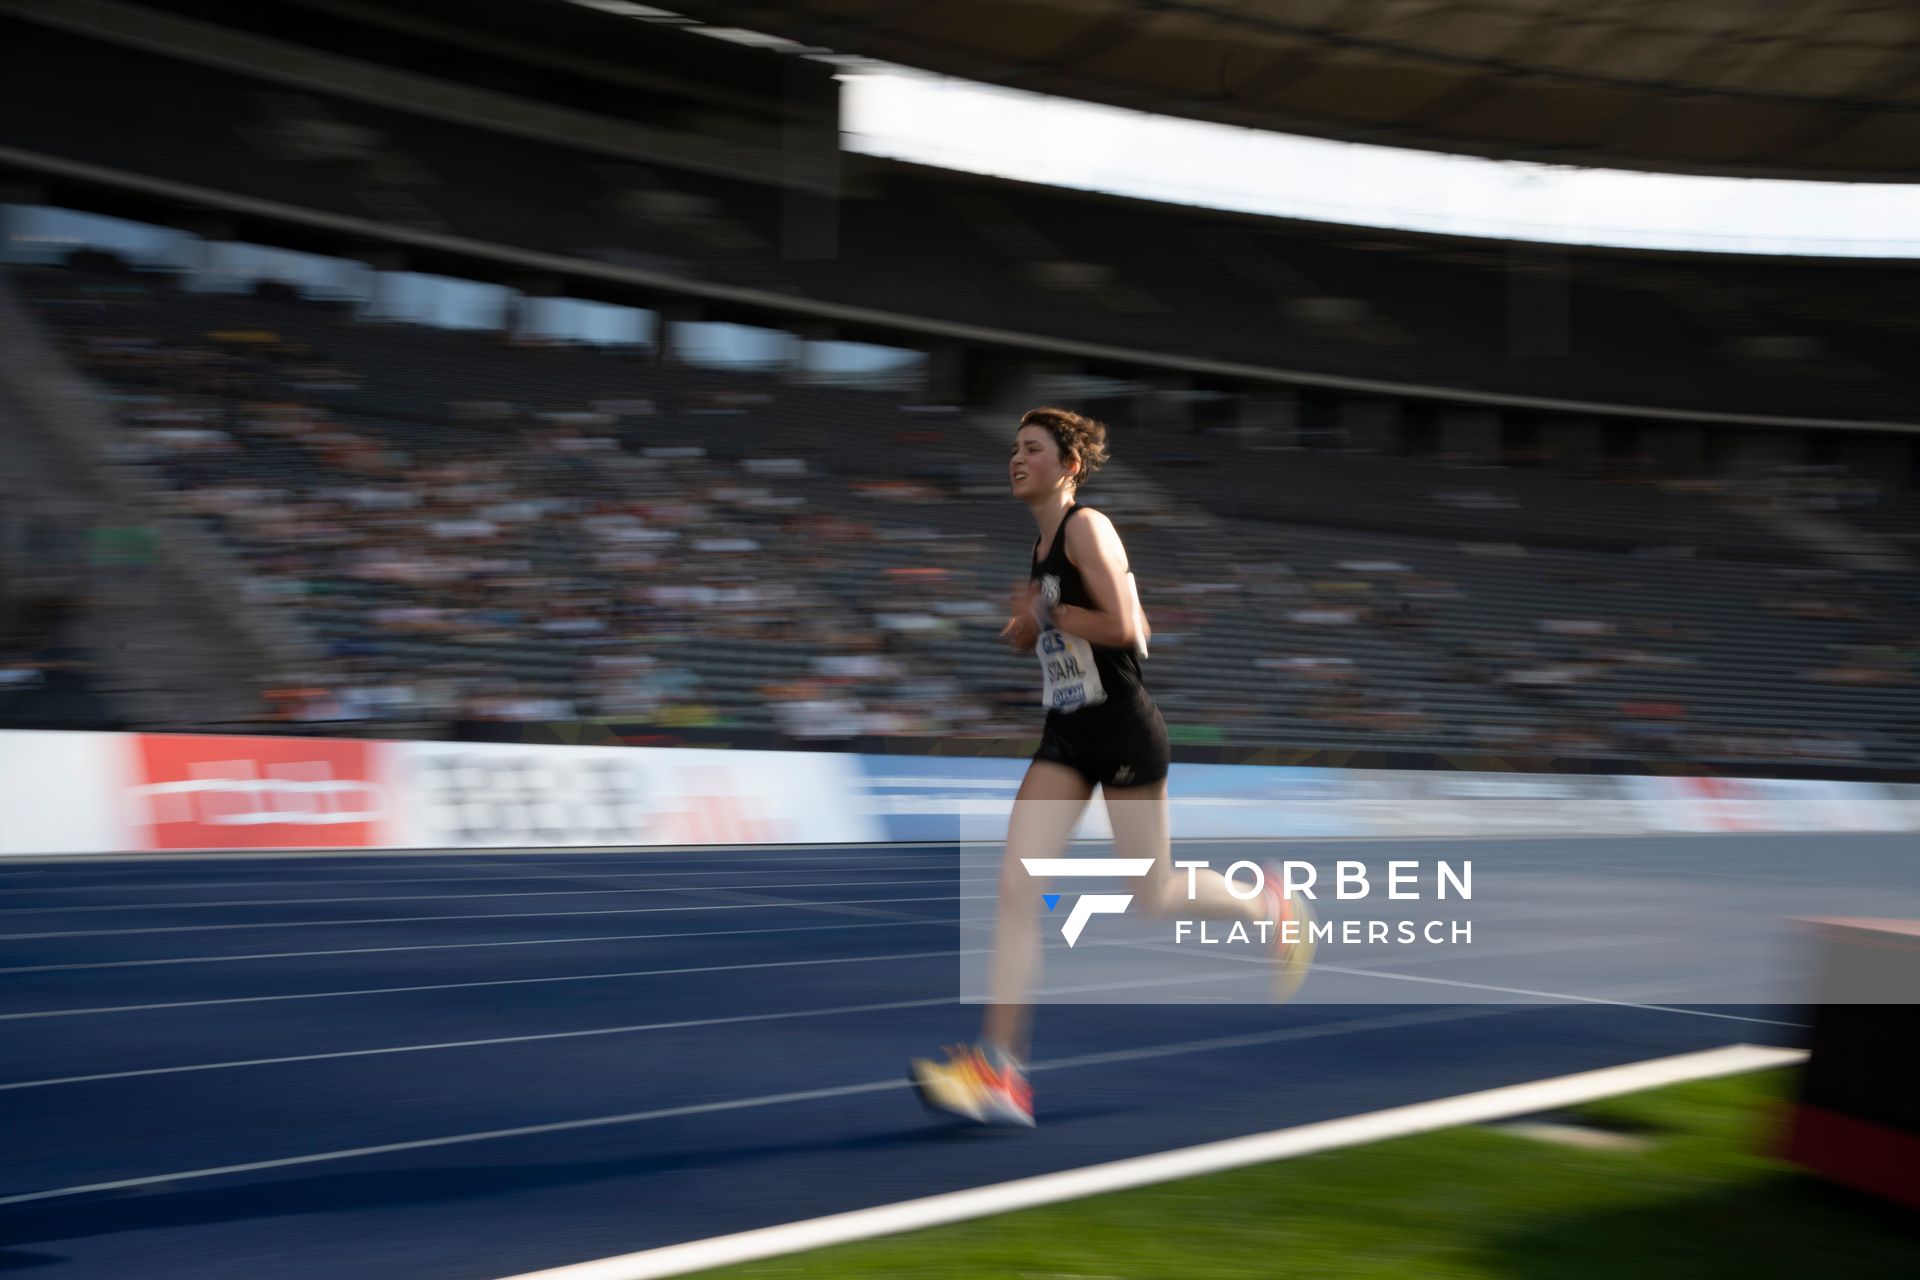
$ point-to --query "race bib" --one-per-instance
(1071, 681)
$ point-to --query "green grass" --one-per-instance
(1703, 1199)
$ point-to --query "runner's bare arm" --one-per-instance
(1139, 616)
(1093, 545)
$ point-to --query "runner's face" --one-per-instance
(1035, 467)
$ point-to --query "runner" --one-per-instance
(1079, 610)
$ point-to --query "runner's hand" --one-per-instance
(1022, 631)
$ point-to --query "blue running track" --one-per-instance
(466, 1066)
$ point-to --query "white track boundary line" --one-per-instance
(1140, 1171)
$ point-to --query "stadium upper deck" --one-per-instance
(906, 250)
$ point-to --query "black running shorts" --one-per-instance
(1118, 743)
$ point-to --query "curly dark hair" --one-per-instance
(1080, 438)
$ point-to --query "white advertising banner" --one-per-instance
(65, 792)
(476, 795)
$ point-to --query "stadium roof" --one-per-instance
(1813, 89)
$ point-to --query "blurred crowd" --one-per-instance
(554, 562)
(517, 563)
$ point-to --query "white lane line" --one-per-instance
(33, 864)
(30, 864)
(490, 982)
(1251, 1039)
(802, 904)
(904, 923)
(584, 873)
(160, 874)
(461, 897)
(1133, 984)
(477, 1044)
(1168, 1166)
(421, 1144)
(1531, 993)
(1551, 995)
(585, 859)
(38, 864)
(1658, 873)
(1319, 1031)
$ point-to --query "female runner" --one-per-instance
(1080, 612)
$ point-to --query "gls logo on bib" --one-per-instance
(1071, 680)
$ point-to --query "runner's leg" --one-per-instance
(1141, 830)
(1050, 801)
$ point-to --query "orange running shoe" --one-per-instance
(969, 1086)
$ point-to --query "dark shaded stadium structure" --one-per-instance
(1411, 497)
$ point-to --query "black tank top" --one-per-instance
(1119, 668)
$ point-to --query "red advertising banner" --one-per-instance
(257, 793)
